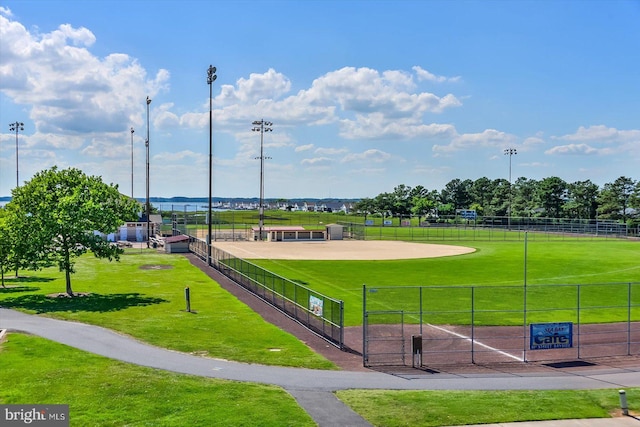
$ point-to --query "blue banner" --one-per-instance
(547, 336)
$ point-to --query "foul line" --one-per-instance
(466, 338)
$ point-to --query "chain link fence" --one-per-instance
(489, 324)
(319, 313)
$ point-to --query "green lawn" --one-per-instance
(397, 408)
(104, 392)
(149, 304)
(495, 263)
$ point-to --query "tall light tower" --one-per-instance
(211, 77)
(262, 127)
(16, 127)
(132, 131)
(510, 152)
(146, 144)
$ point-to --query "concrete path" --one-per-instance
(313, 389)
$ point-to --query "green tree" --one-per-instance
(365, 207)
(481, 193)
(615, 198)
(500, 198)
(422, 206)
(551, 195)
(582, 200)
(401, 201)
(5, 244)
(524, 191)
(68, 209)
(457, 193)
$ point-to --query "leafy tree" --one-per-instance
(551, 194)
(422, 206)
(523, 202)
(634, 201)
(5, 244)
(65, 209)
(401, 201)
(615, 198)
(457, 193)
(365, 206)
(582, 200)
(383, 203)
(500, 199)
(481, 192)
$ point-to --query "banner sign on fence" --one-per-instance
(547, 336)
(315, 305)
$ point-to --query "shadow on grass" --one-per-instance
(27, 279)
(92, 302)
(16, 288)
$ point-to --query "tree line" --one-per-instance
(549, 197)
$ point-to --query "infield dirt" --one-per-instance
(340, 250)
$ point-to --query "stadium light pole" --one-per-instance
(146, 144)
(211, 77)
(262, 127)
(16, 127)
(132, 131)
(510, 152)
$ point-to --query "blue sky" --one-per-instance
(364, 95)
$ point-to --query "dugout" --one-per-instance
(335, 231)
(289, 234)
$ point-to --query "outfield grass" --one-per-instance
(149, 304)
(104, 392)
(495, 263)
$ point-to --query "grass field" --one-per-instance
(149, 303)
(143, 296)
(495, 263)
(104, 392)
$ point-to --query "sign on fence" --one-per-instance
(546, 336)
(315, 305)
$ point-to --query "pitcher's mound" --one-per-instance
(340, 250)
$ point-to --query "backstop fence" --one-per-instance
(317, 312)
(438, 325)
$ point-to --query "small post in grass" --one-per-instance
(623, 402)
(187, 297)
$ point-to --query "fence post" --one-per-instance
(187, 297)
(578, 318)
(364, 324)
(473, 305)
(629, 319)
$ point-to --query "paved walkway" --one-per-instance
(313, 389)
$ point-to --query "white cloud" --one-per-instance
(594, 133)
(324, 151)
(598, 140)
(426, 75)
(317, 162)
(486, 138)
(68, 90)
(573, 149)
(305, 147)
(373, 156)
